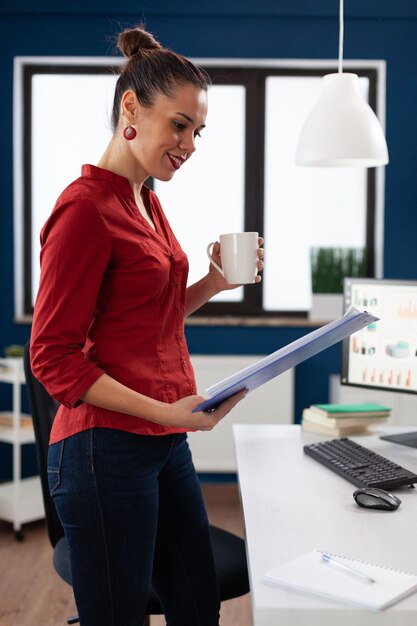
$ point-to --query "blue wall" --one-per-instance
(374, 29)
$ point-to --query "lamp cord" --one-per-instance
(341, 27)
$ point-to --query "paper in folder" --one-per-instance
(287, 357)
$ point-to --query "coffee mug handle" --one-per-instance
(218, 268)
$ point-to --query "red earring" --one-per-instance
(129, 133)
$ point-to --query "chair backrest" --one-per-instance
(43, 408)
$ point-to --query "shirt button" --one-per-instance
(184, 363)
(177, 283)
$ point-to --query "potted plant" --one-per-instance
(329, 266)
(13, 351)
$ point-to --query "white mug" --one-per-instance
(239, 254)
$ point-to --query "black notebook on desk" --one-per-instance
(287, 357)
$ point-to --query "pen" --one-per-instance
(345, 568)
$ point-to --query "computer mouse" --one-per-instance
(373, 498)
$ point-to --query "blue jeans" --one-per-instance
(133, 513)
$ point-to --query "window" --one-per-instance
(196, 196)
(304, 208)
(243, 176)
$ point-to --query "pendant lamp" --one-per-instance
(342, 130)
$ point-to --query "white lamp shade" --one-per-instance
(342, 130)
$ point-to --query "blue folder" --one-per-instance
(287, 357)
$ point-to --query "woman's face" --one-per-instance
(167, 132)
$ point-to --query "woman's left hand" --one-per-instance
(220, 282)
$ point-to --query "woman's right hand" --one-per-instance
(108, 393)
(180, 413)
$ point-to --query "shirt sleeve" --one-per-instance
(75, 251)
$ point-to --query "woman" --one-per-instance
(108, 343)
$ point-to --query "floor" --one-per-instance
(32, 594)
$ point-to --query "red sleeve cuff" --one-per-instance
(71, 398)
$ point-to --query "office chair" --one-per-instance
(229, 550)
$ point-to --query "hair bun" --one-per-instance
(135, 40)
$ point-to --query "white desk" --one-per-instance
(292, 504)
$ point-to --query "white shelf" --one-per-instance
(11, 370)
(21, 502)
(25, 434)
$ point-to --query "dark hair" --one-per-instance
(152, 69)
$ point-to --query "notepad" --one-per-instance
(310, 574)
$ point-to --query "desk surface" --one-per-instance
(292, 505)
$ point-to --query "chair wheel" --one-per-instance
(19, 535)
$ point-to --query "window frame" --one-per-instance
(252, 75)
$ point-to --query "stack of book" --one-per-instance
(6, 420)
(340, 420)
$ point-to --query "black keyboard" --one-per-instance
(359, 465)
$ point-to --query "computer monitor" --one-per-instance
(384, 354)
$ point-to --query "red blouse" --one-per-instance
(111, 299)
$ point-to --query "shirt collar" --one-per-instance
(92, 171)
